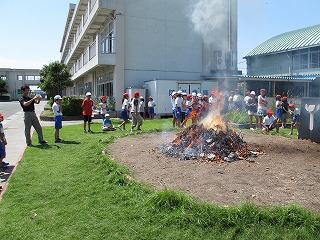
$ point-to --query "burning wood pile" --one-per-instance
(198, 142)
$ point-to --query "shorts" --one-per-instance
(87, 118)
(284, 117)
(252, 113)
(2, 151)
(296, 118)
(150, 111)
(270, 127)
(58, 122)
(188, 111)
(262, 113)
(278, 113)
(177, 113)
(124, 114)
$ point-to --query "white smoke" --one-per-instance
(208, 18)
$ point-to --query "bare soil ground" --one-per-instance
(288, 171)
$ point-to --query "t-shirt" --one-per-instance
(141, 106)
(268, 120)
(29, 108)
(262, 103)
(254, 107)
(125, 104)
(135, 105)
(56, 109)
(278, 104)
(285, 107)
(178, 102)
(103, 106)
(151, 104)
(107, 122)
(87, 105)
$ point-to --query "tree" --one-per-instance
(3, 86)
(54, 78)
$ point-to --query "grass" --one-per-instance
(73, 191)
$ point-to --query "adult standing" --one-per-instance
(30, 117)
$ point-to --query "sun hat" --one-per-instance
(194, 94)
(253, 93)
(184, 94)
(231, 91)
(141, 96)
(284, 98)
(189, 96)
(103, 97)
(1, 115)
(247, 93)
(205, 96)
(173, 93)
(199, 95)
(88, 94)
(107, 115)
(269, 111)
(125, 95)
(57, 97)
(136, 94)
(291, 105)
(179, 92)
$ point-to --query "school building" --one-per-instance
(112, 45)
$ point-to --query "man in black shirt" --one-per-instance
(30, 117)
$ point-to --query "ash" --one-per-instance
(199, 143)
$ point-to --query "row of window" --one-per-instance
(306, 58)
(29, 78)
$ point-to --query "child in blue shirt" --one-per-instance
(107, 123)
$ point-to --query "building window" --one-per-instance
(105, 85)
(300, 59)
(19, 77)
(29, 78)
(315, 57)
(37, 78)
(108, 39)
(3, 77)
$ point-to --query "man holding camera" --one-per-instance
(30, 117)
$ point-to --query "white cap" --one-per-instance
(57, 97)
(179, 92)
(88, 94)
(199, 95)
(141, 96)
(253, 93)
(107, 115)
(194, 94)
(173, 93)
(184, 94)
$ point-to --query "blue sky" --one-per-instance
(32, 30)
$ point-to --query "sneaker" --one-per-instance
(290, 133)
(5, 164)
(43, 142)
(58, 140)
(89, 131)
(30, 145)
(251, 129)
(132, 130)
(84, 131)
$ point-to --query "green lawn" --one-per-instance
(72, 191)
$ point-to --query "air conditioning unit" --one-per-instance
(218, 60)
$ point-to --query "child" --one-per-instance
(107, 123)
(284, 111)
(142, 108)
(252, 108)
(295, 118)
(188, 105)
(103, 106)
(262, 106)
(3, 143)
(278, 108)
(57, 113)
(270, 122)
(136, 117)
(151, 105)
(87, 105)
(177, 110)
(125, 110)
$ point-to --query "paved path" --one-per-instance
(14, 131)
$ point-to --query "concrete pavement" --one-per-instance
(14, 131)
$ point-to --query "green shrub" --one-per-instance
(71, 105)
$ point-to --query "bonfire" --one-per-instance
(210, 140)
